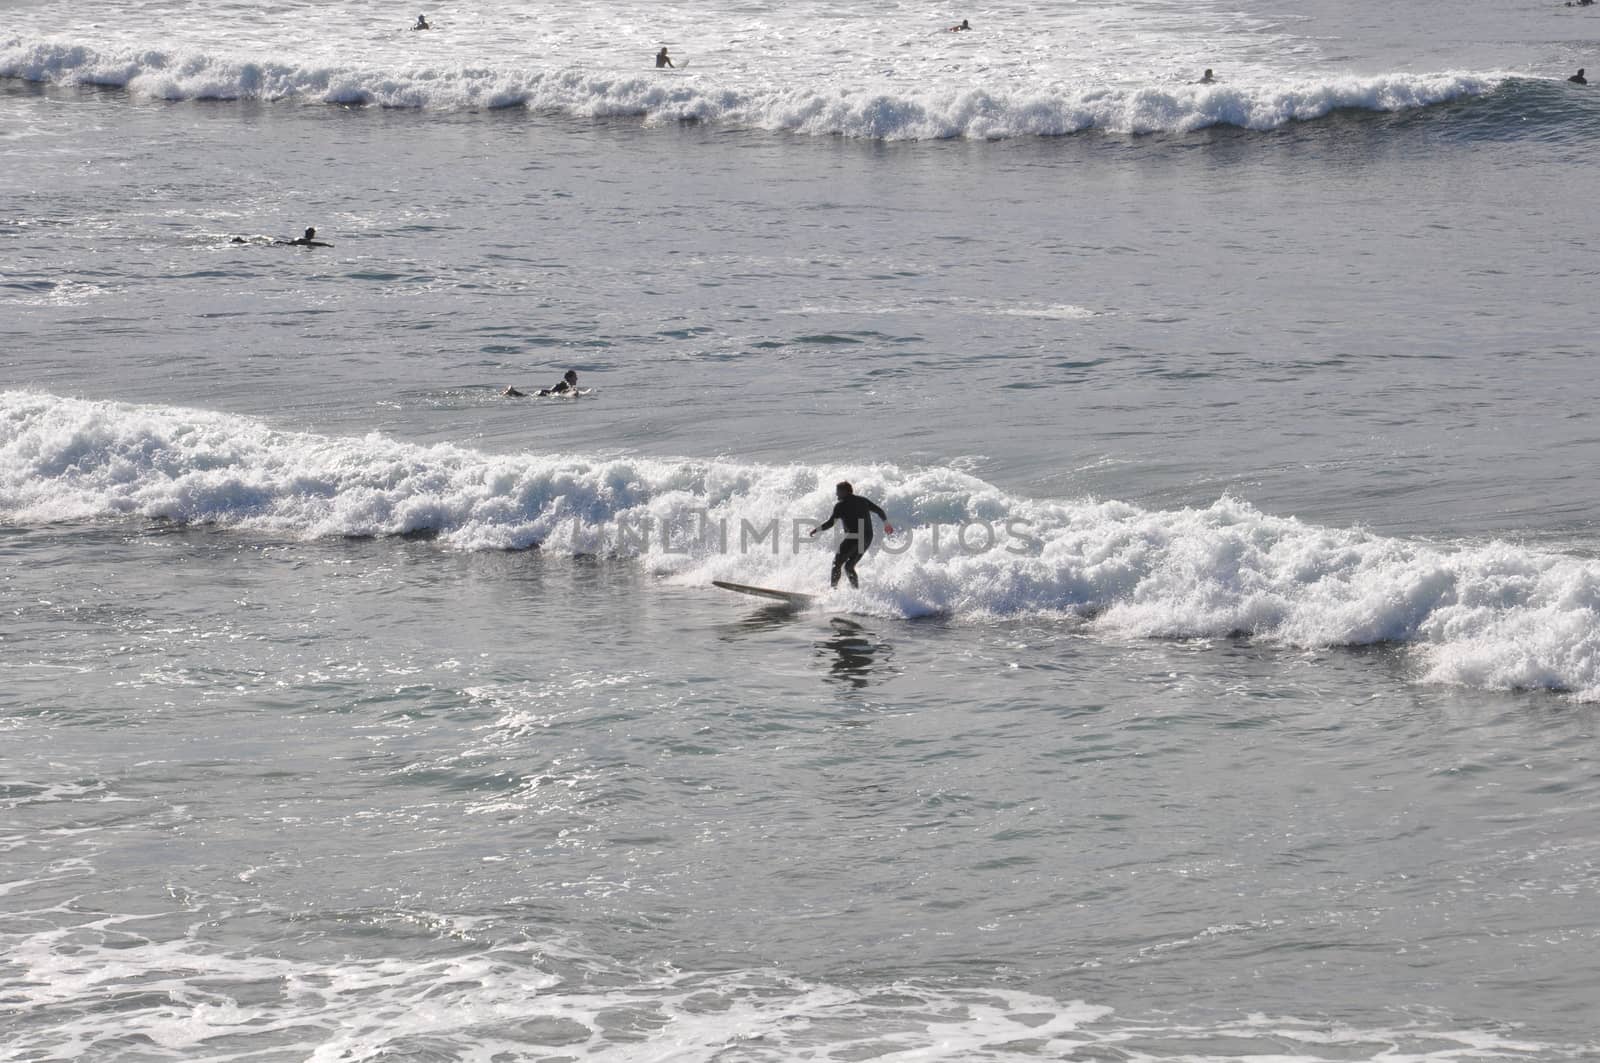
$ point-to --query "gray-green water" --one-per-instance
(335, 726)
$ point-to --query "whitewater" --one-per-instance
(892, 73)
(1227, 691)
(1486, 614)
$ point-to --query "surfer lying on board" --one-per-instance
(854, 513)
(662, 60)
(1578, 78)
(569, 382)
(962, 28)
(308, 240)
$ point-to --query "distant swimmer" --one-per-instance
(308, 240)
(959, 28)
(662, 60)
(1579, 3)
(1207, 78)
(422, 23)
(854, 514)
(1578, 78)
(569, 383)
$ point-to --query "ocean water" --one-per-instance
(1228, 692)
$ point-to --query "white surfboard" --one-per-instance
(794, 598)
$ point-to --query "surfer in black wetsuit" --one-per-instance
(1207, 78)
(855, 514)
(569, 382)
(422, 23)
(662, 60)
(308, 240)
(1578, 78)
(962, 28)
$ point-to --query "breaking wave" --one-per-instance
(886, 110)
(1492, 614)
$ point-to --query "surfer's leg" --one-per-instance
(849, 558)
(845, 559)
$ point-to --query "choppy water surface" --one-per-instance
(1229, 693)
(376, 796)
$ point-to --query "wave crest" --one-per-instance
(864, 111)
(1491, 615)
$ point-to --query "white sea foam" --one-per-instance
(114, 980)
(882, 72)
(1490, 614)
(1059, 312)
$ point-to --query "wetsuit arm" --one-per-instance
(888, 529)
(832, 517)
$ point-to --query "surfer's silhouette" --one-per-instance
(962, 27)
(569, 382)
(422, 23)
(1207, 78)
(855, 514)
(662, 60)
(308, 240)
(1578, 78)
(855, 653)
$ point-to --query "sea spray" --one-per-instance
(1489, 614)
(867, 109)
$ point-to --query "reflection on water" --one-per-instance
(857, 655)
(767, 618)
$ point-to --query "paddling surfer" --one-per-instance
(569, 383)
(854, 513)
(308, 240)
(1578, 78)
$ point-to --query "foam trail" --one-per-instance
(1493, 615)
(92, 983)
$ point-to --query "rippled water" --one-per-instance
(358, 795)
(336, 724)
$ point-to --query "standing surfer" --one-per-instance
(855, 514)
